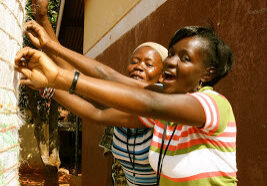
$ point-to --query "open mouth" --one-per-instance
(168, 76)
(137, 77)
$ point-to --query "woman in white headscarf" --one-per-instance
(130, 145)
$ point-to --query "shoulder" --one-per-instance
(217, 109)
(148, 122)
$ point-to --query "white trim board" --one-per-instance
(143, 9)
(60, 14)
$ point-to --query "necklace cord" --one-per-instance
(129, 154)
(161, 158)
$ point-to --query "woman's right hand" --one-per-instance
(37, 34)
(38, 69)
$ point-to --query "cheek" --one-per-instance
(130, 68)
(191, 74)
(153, 72)
(195, 77)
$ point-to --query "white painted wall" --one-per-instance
(143, 9)
(12, 16)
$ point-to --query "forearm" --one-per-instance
(76, 104)
(86, 110)
(91, 67)
(180, 108)
(45, 23)
(84, 64)
(112, 94)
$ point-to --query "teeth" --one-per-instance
(136, 77)
(168, 73)
(168, 76)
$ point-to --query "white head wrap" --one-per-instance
(163, 52)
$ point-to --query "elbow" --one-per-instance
(103, 73)
(95, 117)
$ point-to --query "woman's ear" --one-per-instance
(209, 74)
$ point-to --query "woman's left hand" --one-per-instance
(38, 69)
(37, 34)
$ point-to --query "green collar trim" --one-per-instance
(205, 88)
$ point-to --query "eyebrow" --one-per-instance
(147, 58)
(185, 51)
(134, 57)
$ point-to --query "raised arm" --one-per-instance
(181, 108)
(86, 65)
(39, 9)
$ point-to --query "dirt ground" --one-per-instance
(36, 178)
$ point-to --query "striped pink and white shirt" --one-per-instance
(198, 156)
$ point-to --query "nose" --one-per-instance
(170, 62)
(139, 67)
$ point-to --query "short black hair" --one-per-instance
(219, 54)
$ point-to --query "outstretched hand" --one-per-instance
(38, 69)
(37, 34)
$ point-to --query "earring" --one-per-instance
(199, 85)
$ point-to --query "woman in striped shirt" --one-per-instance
(194, 126)
(131, 145)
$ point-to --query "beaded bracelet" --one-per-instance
(47, 93)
